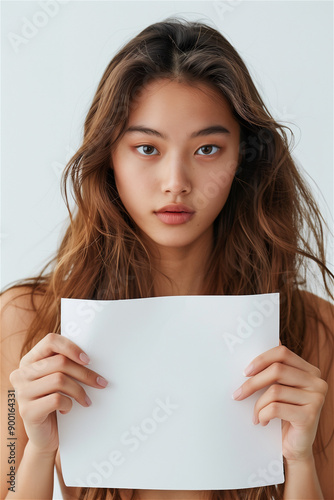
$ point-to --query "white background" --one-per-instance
(49, 82)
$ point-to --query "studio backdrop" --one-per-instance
(53, 56)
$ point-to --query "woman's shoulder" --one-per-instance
(314, 304)
(319, 329)
(319, 320)
(18, 308)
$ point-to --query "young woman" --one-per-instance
(184, 185)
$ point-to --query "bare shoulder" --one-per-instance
(323, 307)
(319, 334)
(17, 308)
(17, 311)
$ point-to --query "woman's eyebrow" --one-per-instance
(213, 129)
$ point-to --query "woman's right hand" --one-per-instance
(46, 380)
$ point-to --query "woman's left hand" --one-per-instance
(295, 394)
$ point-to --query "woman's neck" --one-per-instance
(182, 283)
(184, 268)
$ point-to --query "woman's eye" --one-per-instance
(147, 150)
(207, 150)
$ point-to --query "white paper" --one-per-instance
(167, 419)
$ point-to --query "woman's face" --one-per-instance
(175, 164)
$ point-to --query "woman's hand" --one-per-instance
(295, 394)
(45, 381)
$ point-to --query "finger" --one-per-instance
(56, 382)
(280, 354)
(282, 374)
(35, 412)
(62, 364)
(290, 413)
(283, 394)
(53, 343)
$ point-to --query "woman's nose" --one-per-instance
(175, 178)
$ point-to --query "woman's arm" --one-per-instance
(301, 481)
(45, 380)
(296, 394)
(314, 478)
(21, 471)
(34, 478)
(323, 359)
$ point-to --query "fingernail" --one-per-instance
(255, 420)
(248, 370)
(237, 393)
(84, 358)
(88, 401)
(102, 381)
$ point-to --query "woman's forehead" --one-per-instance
(182, 85)
(173, 96)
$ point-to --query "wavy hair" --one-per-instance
(267, 233)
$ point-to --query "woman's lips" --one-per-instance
(174, 217)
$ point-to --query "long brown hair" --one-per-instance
(266, 234)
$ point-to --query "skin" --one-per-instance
(50, 375)
(177, 169)
(295, 388)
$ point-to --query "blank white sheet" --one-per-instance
(167, 419)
